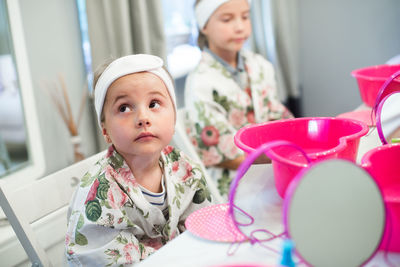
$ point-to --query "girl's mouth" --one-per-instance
(145, 136)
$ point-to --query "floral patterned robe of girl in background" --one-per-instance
(217, 107)
(112, 224)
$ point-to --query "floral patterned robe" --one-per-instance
(112, 224)
(217, 107)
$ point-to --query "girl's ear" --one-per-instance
(105, 134)
(204, 30)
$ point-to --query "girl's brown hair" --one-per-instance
(201, 39)
(96, 75)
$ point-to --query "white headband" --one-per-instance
(128, 65)
(205, 9)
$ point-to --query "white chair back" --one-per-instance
(39, 199)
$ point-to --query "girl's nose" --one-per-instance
(144, 122)
(142, 119)
(239, 24)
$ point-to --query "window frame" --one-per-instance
(35, 166)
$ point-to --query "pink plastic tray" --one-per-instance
(214, 223)
(364, 116)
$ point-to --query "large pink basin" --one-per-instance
(319, 137)
(383, 163)
(370, 80)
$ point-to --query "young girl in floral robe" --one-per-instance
(137, 197)
(230, 88)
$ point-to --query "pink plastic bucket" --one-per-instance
(384, 166)
(370, 80)
(319, 137)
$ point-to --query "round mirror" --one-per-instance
(335, 214)
(388, 118)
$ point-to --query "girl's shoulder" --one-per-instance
(93, 172)
(252, 57)
(257, 64)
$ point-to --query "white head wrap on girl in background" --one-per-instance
(129, 65)
(204, 9)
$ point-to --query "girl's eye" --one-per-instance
(124, 108)
(225, 18)
(154, 104)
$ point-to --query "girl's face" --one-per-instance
(139, 116)
(228, 27)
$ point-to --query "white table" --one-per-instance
(190, 250)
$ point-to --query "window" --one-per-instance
(181, 36)
(81, 4)
(20, 145)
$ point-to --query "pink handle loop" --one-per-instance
(245, 165)
(383, 95)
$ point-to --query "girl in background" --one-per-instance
(230, 88)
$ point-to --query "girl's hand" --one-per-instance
(235, 163)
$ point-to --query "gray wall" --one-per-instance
(53, 45)
(336, 37)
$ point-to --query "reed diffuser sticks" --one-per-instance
(59, 95)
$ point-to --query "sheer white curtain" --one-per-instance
(275, 37)
(119, 28)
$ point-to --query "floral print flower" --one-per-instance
(154, 243)
(211, 156)
(182, 169)
(237, 118)
(248, 91)
(128, 249)
(126, 178)
(250, 117)
(228, 147)
(210, 135)
(110, 173)
(168, 149)
(194, 142)
(116, 197)
(93, 191)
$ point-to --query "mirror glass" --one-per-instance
(388, 121)
(13, 137)
(334, 214)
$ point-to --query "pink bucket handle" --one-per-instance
(245, 165)
(380, 100)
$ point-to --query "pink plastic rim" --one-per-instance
(383, 95)
(361, 72)
(245, 165)
(376, 162)
(370, 79)
(342, 141)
